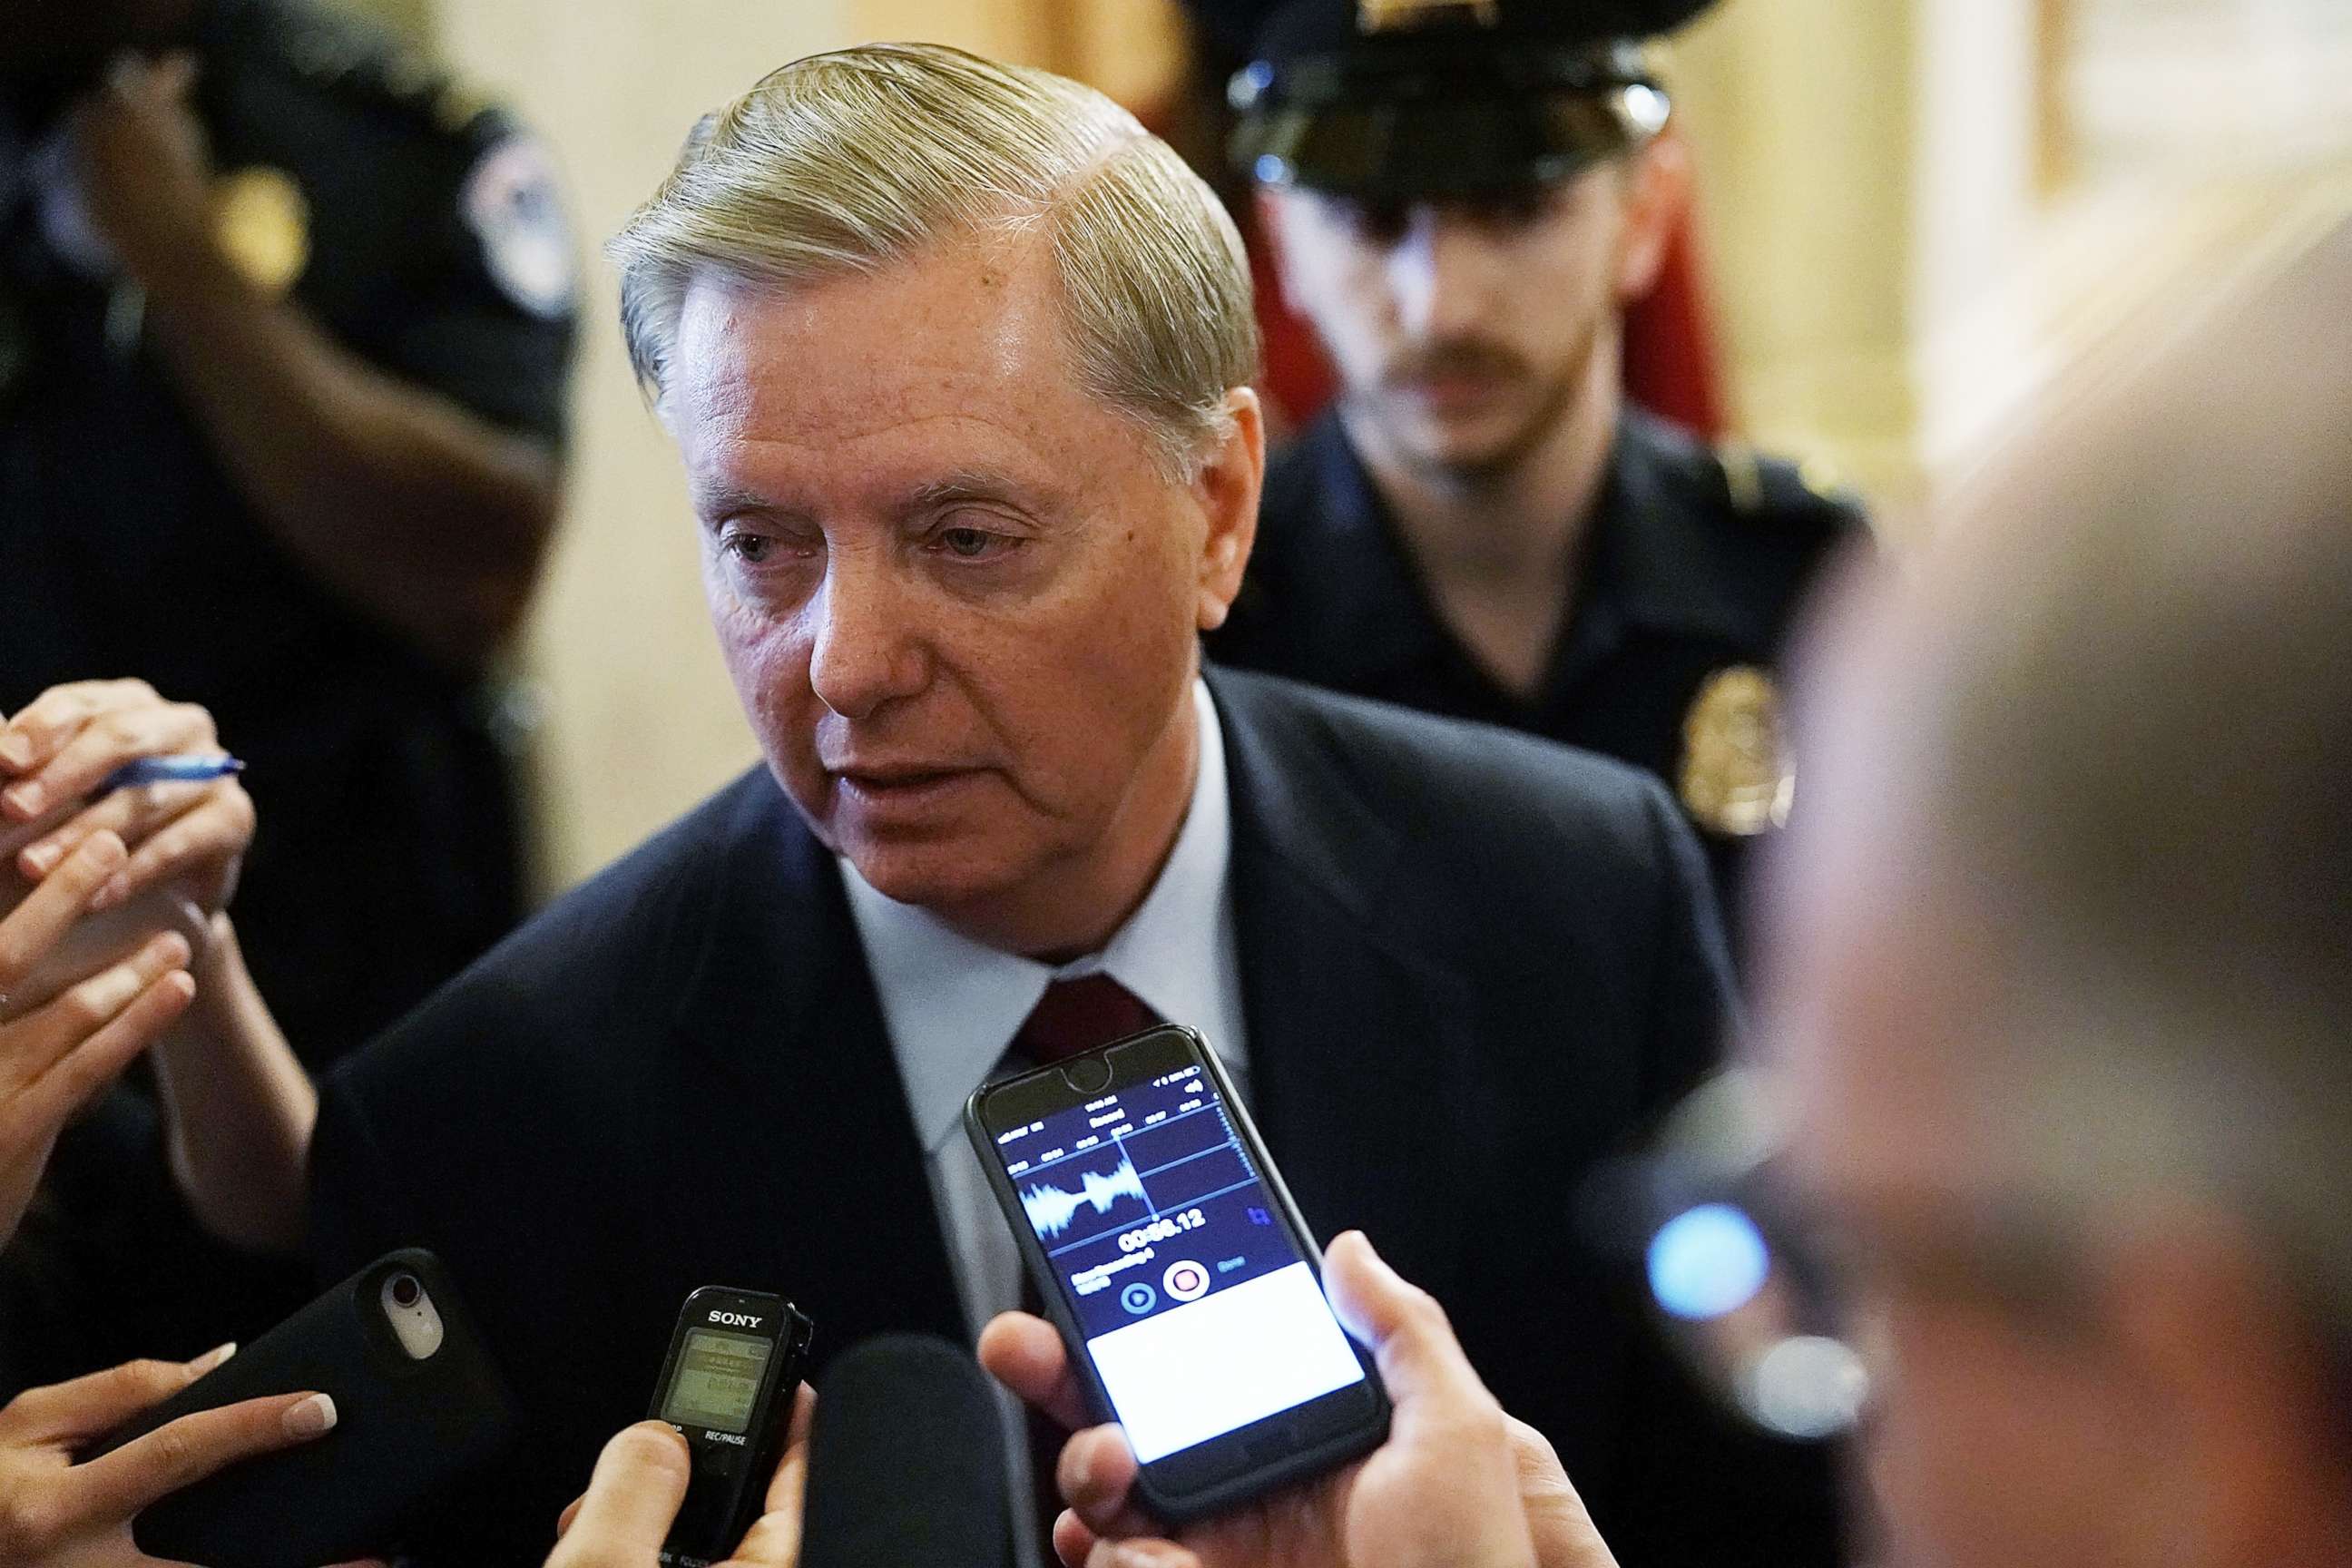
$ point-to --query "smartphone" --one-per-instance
(735, 1360)
(1179, 1271)
(418, 1404)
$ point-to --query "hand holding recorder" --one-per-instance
(633, 1500)
(1457, 1483)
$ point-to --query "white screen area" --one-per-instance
(1235, 1356)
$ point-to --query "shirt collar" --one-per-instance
(953, 1005)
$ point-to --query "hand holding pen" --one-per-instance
(113, 756)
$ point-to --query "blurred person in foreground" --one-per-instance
(2057, 1008)
(1463, 199)
(957, 359)
(285, 319)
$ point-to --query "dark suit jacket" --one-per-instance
(1473, 963)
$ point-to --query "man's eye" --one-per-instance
(749, 548)
(973, 543)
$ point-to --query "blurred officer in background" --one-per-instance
(1463, 198)
(285, 321)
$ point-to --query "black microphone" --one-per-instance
(906, 1461)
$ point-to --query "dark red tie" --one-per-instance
(1074, 1016)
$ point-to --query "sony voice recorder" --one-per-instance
(734, 1364)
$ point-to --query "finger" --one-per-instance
(174, 76)
(114, 1487)
(110, 738)
(1141, 1554)
(1096, 1476)
(1025, 1354)
(74, 1082)
(1407, 1330)
(29, 931)
(36, 736)
(1073, 1539)
(51, 720)
(131, 815)
(1558, 1521)
(789, 1487)
(72, 1412)
(217, 831)
(632, 1499)
(34, 1043)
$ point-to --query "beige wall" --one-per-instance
(639, 721)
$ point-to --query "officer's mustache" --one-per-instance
(1465, 357)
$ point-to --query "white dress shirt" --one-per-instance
(952, 1005)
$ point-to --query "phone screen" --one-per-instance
(717, 1384)
(1198, 1309)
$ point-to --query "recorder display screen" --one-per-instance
(1198, 1311)
(718, 1381)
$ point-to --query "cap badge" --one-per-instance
(262, 223)
(1405, 15)
(1738, 779)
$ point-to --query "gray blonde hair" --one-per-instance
(845, 162)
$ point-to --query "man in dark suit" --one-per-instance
(959, 568)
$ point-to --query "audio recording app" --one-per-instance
(1198, 1310)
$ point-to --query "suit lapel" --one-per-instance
(1361, 1050)
(781, 1029)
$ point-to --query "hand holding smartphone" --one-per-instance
(1182, 1277)
(418, 1404)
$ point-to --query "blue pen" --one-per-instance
(191, 769)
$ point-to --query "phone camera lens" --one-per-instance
(405, 1291)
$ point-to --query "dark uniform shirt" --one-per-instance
(1693, 564)
(388, 853)
(420, 230)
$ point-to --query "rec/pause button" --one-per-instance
(1186, 1280)
(1138, 1298)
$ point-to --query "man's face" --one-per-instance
(959, 600)
(2004, 1427)
(1461, 333)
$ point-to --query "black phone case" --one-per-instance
(404, 1430)
(1176, 1509)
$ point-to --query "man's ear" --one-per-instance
(1226, 489)
(1657, 194)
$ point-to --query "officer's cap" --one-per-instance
(1402, 99)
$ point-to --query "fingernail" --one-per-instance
(25, 799)
(42, 859)
(117, 887)
(212, 1358)
(313, 1417)
(17, 751)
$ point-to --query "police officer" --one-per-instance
(285, 325)
(1462, 198)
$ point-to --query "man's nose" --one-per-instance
(868, 646)
(1444, 272)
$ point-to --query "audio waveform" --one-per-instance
(1051, 1209)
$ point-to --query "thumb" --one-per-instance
(1400, 1323)
(632, 1499)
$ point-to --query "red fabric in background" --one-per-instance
(1671, 360)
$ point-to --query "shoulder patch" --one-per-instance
(513, 204)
